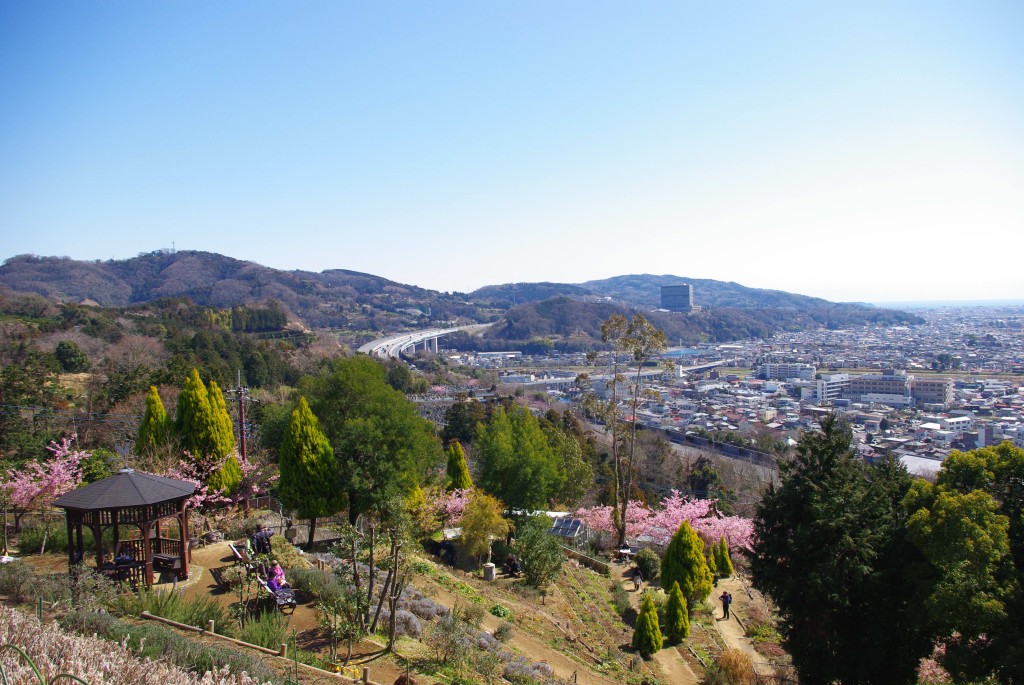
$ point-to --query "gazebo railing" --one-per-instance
(167, 546)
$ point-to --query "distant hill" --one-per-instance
(644, 290)
(327, 299)
(569, 313)
(577, 323)
(573, 313)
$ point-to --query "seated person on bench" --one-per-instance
(276, 579)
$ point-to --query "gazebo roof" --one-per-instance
(127, 488)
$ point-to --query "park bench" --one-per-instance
(283, 599)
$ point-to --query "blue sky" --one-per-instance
(849, 150)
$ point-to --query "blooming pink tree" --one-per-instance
(659, 525)
(197, 471)
(37, 484)
(453, 504)
(256, 480)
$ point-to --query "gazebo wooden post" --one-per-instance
(185, 549)
(147, 546)
(81, 539)
(72, 547)
(117, 533)
(97, 534)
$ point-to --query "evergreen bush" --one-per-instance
(677, 619)
(649, 563)
(684, 563)
(647, 638)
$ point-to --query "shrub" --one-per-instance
(238, 527)
(174, 606)
(447, 639)
(425, 608)
(677, 620)
(737, 667)
(472, 614)
(620, 599)
(317, 584)
(406, 623)
(723, 562)
(286, 553)
(503, 633)
(233, 576)
(649, 563)
(160, 643)
(500, 611)
(16, 580)
(268, 629)
(647, 637)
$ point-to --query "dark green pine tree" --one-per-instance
(458, 471)
(831, 550)
(677, 616)
(647, 638)
(516, 462)
(309, 482)
(685, 564)
(154, 431)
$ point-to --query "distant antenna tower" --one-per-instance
(172, 247)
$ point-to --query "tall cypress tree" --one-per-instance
(155, 427)
(222, 430)
(677, 616)
(458, 471)
(192, 414)
(723, 562)
(204, 428)
(684, 563)
(309, 481)
(647, 638)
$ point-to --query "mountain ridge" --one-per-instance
(343, 298)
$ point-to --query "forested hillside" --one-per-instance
(367, 306)
(329, 299)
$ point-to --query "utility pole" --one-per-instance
(241, 395)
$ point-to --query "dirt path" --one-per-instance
(731, 630)
(563, 666)
(674, 669)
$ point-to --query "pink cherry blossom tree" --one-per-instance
(660, 524)
(37, 484)
(452, 505)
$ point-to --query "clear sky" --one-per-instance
(850, 150)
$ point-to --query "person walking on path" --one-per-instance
(637, 580)
(726, 601)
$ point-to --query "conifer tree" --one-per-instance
(712, 560)
(155, 427)
(647, 638)
(223, 432)
(677, 617)
(684, 563)
(458, 471)
(192, 415)
(309, 481)
(204, 428)
(723, 561)
(227, 477)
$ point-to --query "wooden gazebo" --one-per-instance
(135, 500)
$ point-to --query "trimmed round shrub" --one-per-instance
(649, 563)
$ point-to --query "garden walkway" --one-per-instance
(669, 661)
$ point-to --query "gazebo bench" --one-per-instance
(167, 562)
